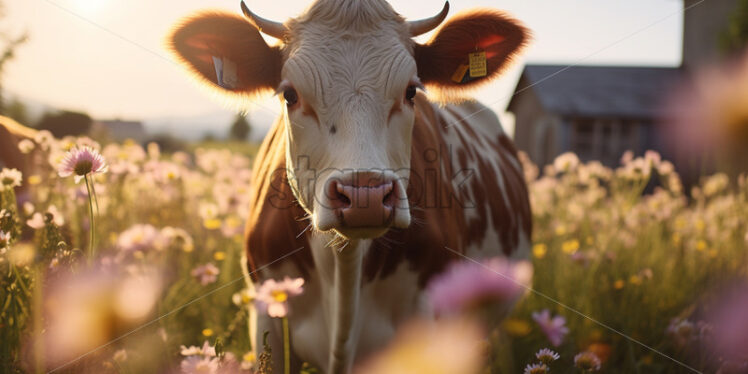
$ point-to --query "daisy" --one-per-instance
(538, 368)
(547, 356)
(10, 178)
(274, 295)
(587, 362)
(207, 273)
(82, 162)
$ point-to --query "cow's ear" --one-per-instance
(470, 49)
(227, 52)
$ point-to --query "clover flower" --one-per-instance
(547, 356)
(587, 362)
(10, 178)
(553, 328)
(274, 295)
(82, 162)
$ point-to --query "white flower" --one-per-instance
(10, 178)
(25, 146)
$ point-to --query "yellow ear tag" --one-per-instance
(459, 73)
(478, 64)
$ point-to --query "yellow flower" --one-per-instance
(701, 245)
(700, 225)
(219, 256)
(207, 332)
(590, 240)
(279, 296)
(516, 327)
(539, 250)
(212, 223)
(34, 180)
(570, 246)
(560, 230)
(635, 280)
(619, 284)
(676, 238)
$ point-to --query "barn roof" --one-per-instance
(599, 91)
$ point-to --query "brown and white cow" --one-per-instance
(365, 185)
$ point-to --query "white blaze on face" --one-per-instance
(351, 116)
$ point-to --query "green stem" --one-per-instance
(37, 310)
(286, 348)
(91, 220)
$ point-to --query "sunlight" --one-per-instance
(88, 6)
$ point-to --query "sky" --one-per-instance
(107, 57)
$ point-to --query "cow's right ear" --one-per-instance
(227, 52)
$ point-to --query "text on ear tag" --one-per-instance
(478, 64)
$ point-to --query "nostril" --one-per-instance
(337, 196)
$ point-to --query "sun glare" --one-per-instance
(88, 6)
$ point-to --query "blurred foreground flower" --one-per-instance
(10, 178)
(448, 347)
(274, 295)
(554, 328)
(730, 325)
(83, 310)
(467, 285)
(82, 162)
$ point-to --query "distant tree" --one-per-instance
(734, 39)
(168, 143)
(240, 129)
(66, 123)
(7, 52)
(208, 137)
(16, 109)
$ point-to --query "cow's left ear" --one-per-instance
(470, 49)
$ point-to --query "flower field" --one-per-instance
(120, 258)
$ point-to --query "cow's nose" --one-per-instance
(369, 204)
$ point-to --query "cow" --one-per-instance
(363, 186)
(11, 133)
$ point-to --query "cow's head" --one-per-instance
(347, 73)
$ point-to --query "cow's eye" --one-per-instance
(290, 96)
(410, 93)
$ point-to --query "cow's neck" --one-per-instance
(342, 271)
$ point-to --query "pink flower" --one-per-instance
(207, 273)
(81, 162)
(553, 328)
(139, 237)
(468, 284)
(201, 365)
(274, 295)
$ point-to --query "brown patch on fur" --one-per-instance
(494, 32)
(198, 38)
(275, 226)
(11, 133)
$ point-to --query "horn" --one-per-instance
(425, 25)
(272, 28)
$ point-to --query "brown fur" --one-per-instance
(12, 132)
